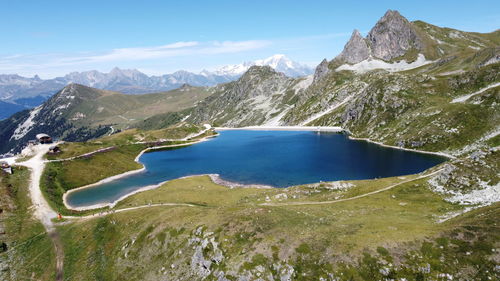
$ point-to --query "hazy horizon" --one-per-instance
(159, 37)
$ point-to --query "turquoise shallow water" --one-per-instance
(276, 158)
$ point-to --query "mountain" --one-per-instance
(7, 109)
(259, 96)
(396, 44)
(407, 84)
(78, 113)
(410, 85)
(22, 92)
(13, 87)
(132, 81)
(279, 63)
(391, 38)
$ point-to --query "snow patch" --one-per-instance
(466, 97)
(458, 71)
(371, 64)
(323, 113)
(276, 121)
(27, 125)
(61, 107)
(304, 83)
(493, 60)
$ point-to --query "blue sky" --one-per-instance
(52, 38)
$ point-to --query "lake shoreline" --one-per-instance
(215, 177)
(449, 156)
(125, 174)
(283, 128)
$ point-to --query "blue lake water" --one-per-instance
(276, 158)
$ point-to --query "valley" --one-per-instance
(407, 85)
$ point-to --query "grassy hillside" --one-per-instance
(118, 156)
(124, 110)
(28, 252)
(79, 113)
(230, 233)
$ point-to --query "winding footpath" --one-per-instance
(36, 164)
(42, 210)
(350, 198)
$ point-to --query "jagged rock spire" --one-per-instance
(356, 49)
(321, 70)
(393, 36)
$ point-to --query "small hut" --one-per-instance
(5, 167)
(43, 138)
(54, 149)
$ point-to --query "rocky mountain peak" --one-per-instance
(392, 36)
(257, 70)
(75, 91)
(356, 49)
(321, 70)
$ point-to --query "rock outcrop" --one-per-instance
(393, 36)
(356, 49)
(321, 70)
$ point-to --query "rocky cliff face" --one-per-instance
(321, 70)
(356, 49)
(393, 36)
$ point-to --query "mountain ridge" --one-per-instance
(411, 227)
(124, 80)
(79, 113)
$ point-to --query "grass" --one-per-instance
(30, 251)
(128, 137)
(195, 190)
(420, 115)
(106, 107)
(59, 177)
(314, 239)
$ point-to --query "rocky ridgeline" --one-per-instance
(356, 49)
(390, 38)
(251, 100)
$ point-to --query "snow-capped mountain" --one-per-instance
(279, 62)
(20, 92)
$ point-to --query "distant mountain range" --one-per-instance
(17, 92)
(280, 63)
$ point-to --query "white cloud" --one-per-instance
(42, 62)
(141, 53)
(188, 55)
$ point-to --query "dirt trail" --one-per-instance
(114, 211)
(350, 198)
(42, 209)
(58, 246)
